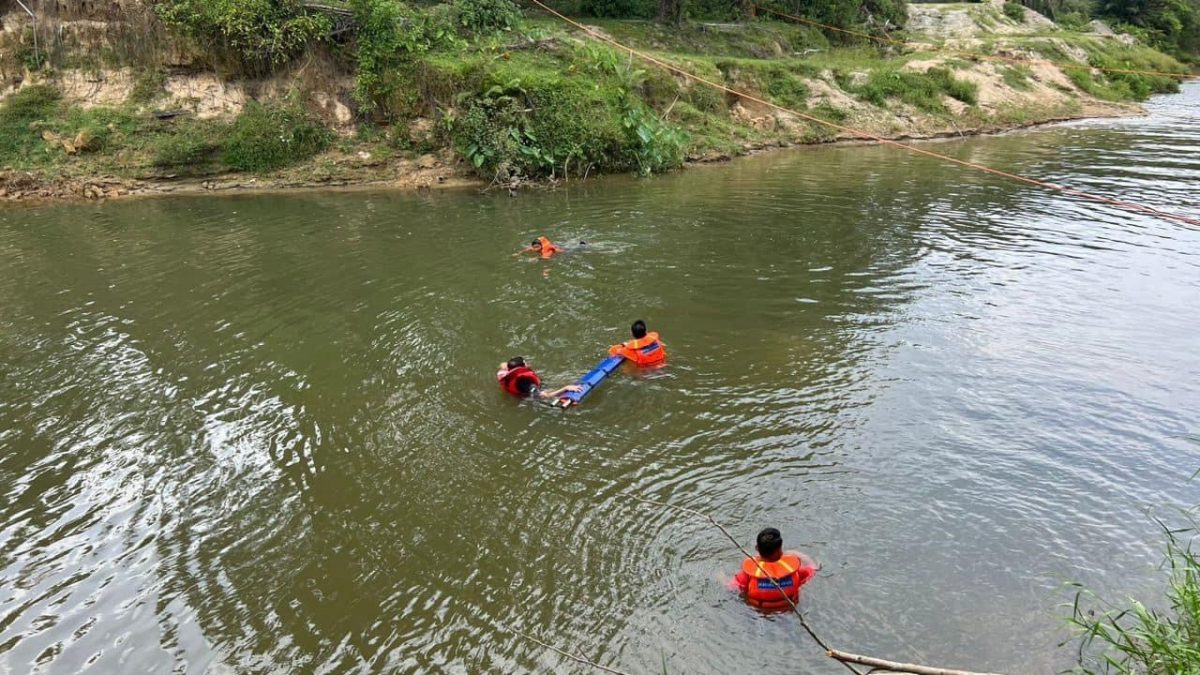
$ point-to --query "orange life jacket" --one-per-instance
(786, 572)
(647, 351)
(514, 377)
(548, 249)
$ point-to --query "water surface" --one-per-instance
(262, 433)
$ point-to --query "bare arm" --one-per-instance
(560, 391)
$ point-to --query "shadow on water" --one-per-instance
(263, 431)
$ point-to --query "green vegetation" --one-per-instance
(1017, 77)
(1014, 11)
(255, 34)
(521, 97)
(1136, 639)
(19, 116)
(921, 90)
(271, 137)
(1170, 25)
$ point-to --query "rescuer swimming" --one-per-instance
(543, 247)
(518, 379)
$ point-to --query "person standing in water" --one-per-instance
(518, 379)
(773, 577)
(645, 349)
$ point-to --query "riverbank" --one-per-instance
(534, 103)
(427, 172)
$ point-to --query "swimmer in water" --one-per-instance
(518, 379)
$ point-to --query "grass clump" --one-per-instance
(188, 145)
(920, 90)
(265, 138)
(1018, 77)
(1014, 11)
(1136, 639)
(20, 115)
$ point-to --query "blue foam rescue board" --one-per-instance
(590, 381)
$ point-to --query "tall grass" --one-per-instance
(1136, 639)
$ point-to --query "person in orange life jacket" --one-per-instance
(519, 380)
(645, 349)
(790, 570)
(543, 247)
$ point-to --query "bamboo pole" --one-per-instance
(893, 666)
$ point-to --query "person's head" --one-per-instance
(536, 244)
(638, 329)
(516, 362)
(769, 543)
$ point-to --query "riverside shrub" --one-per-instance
(265, 138)
(256, 34)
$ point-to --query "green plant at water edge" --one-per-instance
(264, 138)
(258, 34)
(482, 17)
(655, 145)
(1014, 11)
(1136, 639)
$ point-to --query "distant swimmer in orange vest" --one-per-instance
(645, 349)
(789, 570)
(543, 247)
(518, 379)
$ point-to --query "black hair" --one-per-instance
(638, 329)
(769, 542)
(526, 386)
(535, 242)
(516, 362)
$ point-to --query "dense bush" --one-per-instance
(486, 16)
(557, 126)
(1014, 11)
(257, 34)
(390, 34)
(264, 138)
(619, 9)
(1173, 25)
(876, 14)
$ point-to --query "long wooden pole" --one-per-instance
(893, 666)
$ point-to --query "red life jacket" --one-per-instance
(789, 572)
(512, 379)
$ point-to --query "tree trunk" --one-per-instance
(670, 11)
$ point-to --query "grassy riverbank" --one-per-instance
(477, 90)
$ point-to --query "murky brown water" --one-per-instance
(262, 434)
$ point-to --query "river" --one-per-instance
(262, 433)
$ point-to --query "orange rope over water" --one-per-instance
(971, 54)
(866, 135)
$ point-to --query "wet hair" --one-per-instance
(516, 362)
(769, 542)
(526, 386)
(638, 329)
(535, 243)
